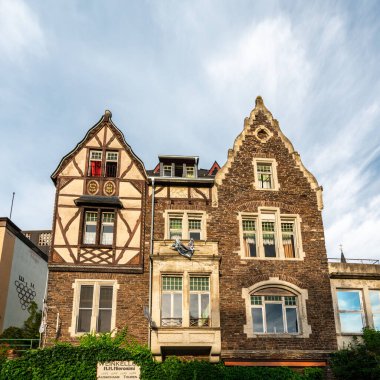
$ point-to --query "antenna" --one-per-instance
(13, 197)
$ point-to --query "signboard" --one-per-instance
(125, 370)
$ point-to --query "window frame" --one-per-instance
(275, 186)
(374, 311)
(199, 321)
(103, 160)
(97, 284)
(99, 227)
(265, 215)
(268, 286)
(186, 216)
(360, 311)
(171, 292)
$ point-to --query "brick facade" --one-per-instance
(232, 192)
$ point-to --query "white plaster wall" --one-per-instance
(27, 264)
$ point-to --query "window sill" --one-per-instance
(270, 335)
(96, 246)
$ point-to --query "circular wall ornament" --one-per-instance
(93, 187)
(263, 134)
(109, 188)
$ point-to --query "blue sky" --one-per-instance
(180, 77)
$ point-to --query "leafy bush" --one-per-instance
(65, 361)
(361, 360)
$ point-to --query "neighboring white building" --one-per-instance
(23, 274)
(355, 289)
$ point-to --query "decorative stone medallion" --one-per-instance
(263, 134)
(109, 188)
(92, 187)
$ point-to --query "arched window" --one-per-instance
(274, 311)
(275, 307)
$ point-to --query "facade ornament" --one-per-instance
(184, 250)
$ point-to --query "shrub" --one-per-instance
(65, 361)
(360, 360)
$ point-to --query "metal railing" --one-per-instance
(171, 322)
(199, 322)
(20, 345)
(353, 261)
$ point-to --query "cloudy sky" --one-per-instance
(179, 77)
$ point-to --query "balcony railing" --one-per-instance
(200, 322)
(171, 322)
(20, 345)
(353, 261)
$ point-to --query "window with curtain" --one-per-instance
(171, 301)
(199, 301)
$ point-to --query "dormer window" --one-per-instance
(190, 173)
(96, 164)
(167, 170)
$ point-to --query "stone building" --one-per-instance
(229, 263)
(355, 287)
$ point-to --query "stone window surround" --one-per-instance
(76, 298)
(273, 163)
(185, 225)
(299, 253)
(274, 282)
(186, 275)
(366, 304)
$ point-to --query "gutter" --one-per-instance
(150, 268)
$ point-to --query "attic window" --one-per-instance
(95, 166)
(97, 163)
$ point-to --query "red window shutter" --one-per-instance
(96, 168)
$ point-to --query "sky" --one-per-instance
(180, 77)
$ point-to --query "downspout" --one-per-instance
(150, 268)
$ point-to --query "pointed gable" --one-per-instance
(103, 134)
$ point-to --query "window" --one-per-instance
(269, 234)
(111, 164)
(199, 301)
(265, 176)
(167, 170)
(171, 301)
(249, 237)
(94, 309)
(274, 314)
(98, 227)
(95, 167)
(44, 239)
(265, 171)
(350, 310)
(190, 173)
(374, 296)
(96, 163)
(185, 225)
(276, 307)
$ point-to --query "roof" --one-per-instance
(106, 118)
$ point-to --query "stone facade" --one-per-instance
(259, 248)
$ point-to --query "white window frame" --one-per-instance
(373, 312)
(271, 214)
(361, 311)
(275, 186)
(190, 171)
(304, 329)
(284, 307)
(201, 321)
(108, 152)
(172, 292)
(185, 216)
(163, 170)
(95, 304)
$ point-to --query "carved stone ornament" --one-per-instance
(109, 188)
(263, 134)
(184, 250)
(93, 187)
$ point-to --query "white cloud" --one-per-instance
(268, 56)
(20, 31)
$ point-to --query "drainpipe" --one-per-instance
(150, 268)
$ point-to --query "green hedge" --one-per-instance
(65, 361)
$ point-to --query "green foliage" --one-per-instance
(313, 373)
(30, 327)
(361, 360)
(65, 361)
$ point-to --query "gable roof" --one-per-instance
(105, 120)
